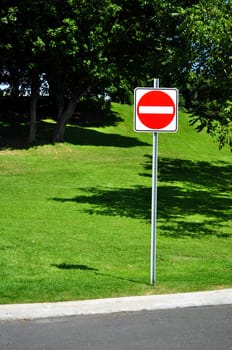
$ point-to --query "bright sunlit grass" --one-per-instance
(75, 217)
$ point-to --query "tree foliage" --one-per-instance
(207, 28)
(83, 48)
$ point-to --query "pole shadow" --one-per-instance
(65, 266)
(79, 267)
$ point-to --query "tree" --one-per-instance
(108, 47)
(95, 48)
(207, 28)
(113, 46)
(20, 59)
(76, 46)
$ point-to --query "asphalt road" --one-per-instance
(208, 328)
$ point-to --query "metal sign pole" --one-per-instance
(154, 202)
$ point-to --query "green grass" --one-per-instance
(75, 217)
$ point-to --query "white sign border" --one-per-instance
(139, 92)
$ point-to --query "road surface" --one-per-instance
(208, 328)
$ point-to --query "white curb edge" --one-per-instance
(113, 305)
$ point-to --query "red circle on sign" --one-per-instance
(156, 109)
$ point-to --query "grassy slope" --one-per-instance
(75, 218)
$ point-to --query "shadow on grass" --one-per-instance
(82, 136)
(15, 137)
(14, 128)
(194, 199)
(213, 177)
(65, 266)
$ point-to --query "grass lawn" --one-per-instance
(75, 217)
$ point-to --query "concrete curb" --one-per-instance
(113, 305)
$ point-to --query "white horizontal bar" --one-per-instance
(156, 110)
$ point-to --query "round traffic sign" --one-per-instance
(156, 109)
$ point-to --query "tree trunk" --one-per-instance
(66, 115)
(60, 104)
(15, 87)
(35, 84)
(33, 108)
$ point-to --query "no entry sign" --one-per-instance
(156, 109)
